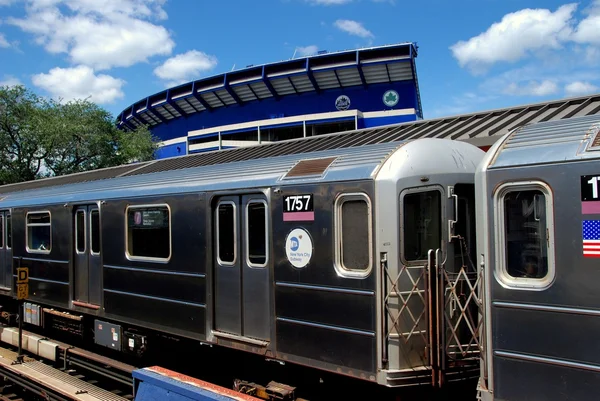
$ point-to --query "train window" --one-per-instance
(422, 221)
(95, 232)
(8, 231)
(256, 223)
(1, 231)
(523, 225)
(80, 231)
(149, 232)
(353, 235)
(39, 232)
(226, 231)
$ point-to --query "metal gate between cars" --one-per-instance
(439, 310)
(458, 315)
(432, 309)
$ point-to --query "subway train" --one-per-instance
(345, 253)
(400, 263)
(538, 233)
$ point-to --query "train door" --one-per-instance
(421, 247)
(438, 281)
(241, 274)
(87, 264)
(5, 251)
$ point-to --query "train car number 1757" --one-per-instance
(298, 203)
(298, 208)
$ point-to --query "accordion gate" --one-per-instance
(432, 317)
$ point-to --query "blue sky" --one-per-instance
(473, 54)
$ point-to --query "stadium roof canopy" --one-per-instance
(484, 128)
(481, 129)
(324, 71)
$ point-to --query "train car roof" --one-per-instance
(333, 165)
(320, 166)
(340, 140)
(559, 141)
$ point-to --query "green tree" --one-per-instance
(42, 138)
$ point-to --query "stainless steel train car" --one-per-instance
(538, 245)
(348, 253)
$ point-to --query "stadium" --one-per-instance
(300, 97)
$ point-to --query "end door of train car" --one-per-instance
(429, 277)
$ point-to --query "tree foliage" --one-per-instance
(42, 138)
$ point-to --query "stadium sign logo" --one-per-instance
(390, 98)
(342, 102)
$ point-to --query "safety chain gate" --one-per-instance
(459, 314)
(406, 310)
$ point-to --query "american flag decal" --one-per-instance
(591, 238)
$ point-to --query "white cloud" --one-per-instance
(6, 2)
(532, 88)
(307, 50)
(550, 52)
(185, 67)
(353, 28)
(3, 41)
(580, 88)
(588, 29)
(9, 80)
(78, 83)
(329, 2)
(135, 8)
(515, 36)
(562, 73)
(99, 34)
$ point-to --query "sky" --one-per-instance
(474, 55)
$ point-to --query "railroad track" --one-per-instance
(62, 372)
(59, 371)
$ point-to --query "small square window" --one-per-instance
(39, 232)
(149, 232)
(523, 225)
(353, 235)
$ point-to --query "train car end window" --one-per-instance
(39, 232)
(422, 224)
(1, 231)
(256, 223)
(8, 231)
(149, 233)
(95, 232)
(353, 235)
(226, 233)
(524, 225)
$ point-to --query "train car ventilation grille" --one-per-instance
(595, 132)
(310, 168)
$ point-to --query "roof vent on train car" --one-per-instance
(594, 132)
(309, 168)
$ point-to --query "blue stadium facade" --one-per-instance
(315, 95)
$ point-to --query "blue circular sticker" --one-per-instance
(298, 247)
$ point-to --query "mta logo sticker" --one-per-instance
(298, 247)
